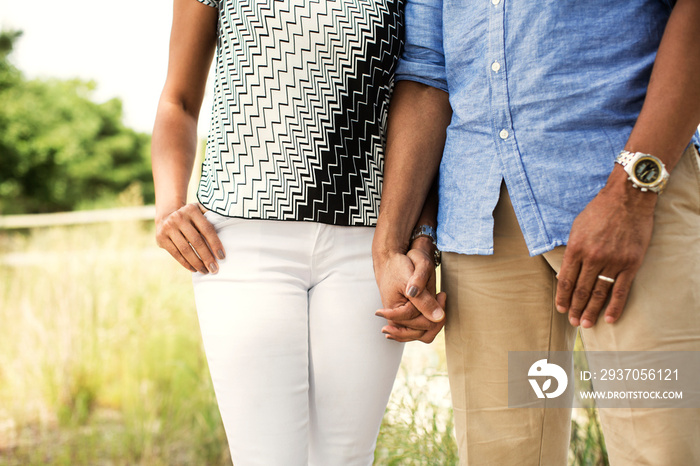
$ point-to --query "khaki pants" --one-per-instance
(505, 302)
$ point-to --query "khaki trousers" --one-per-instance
(505, 302)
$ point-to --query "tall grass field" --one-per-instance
(101, 362)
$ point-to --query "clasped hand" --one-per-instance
(407, 287)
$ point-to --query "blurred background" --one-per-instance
(100, 354)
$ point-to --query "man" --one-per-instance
(542, 221)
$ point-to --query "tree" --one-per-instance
(58, 148)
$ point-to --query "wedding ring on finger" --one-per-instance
(197, 254)
(606, 279)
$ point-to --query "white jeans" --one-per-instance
(301, 370)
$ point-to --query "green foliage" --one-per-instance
(58, 148)
(8, 74)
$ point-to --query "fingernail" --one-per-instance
(557, 276)
(213, 267)
(585, 323)
(609, 319)
(220, 253)
(412, 291)
(438, 314)
(574, 321)
(561, 309)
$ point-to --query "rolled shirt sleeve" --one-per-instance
(423, 58)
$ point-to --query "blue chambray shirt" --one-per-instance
(544, 95)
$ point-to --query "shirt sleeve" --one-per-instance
(211, 3)
(423, 58)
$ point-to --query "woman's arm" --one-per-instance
(181, 227)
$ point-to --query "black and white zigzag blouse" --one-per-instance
(301, 97)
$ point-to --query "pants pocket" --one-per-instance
(220, 221)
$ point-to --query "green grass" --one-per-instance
(101, 362)
(100, 353)
(417, 428)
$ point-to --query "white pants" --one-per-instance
(301, 370)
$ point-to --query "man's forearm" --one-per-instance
(671, 111)
(418, 117)
(609, 239)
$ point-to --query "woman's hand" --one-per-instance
(190, 238)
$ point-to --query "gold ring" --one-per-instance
(606, 279)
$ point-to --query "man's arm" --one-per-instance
(418, 117)
(610, 237)
(405, 322)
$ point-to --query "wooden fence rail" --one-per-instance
(13, 222)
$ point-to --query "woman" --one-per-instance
(280, 240)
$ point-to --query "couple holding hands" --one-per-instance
(546, 152)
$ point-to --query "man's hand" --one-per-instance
(190, 238)
(407, 287)
(609, 239)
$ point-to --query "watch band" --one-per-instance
(625, 157)
(424, 230)
(428, 232)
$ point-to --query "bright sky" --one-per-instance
(122, 46)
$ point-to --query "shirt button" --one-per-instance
(503, 134)
(495, 66)
(495, 2)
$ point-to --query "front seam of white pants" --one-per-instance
(301, 370)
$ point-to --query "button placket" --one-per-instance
(498, 79)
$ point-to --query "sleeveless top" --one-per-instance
(301, 95)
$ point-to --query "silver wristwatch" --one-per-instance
(646, 172)
(429, 232)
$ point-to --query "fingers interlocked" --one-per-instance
(420, 314)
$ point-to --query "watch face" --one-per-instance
(647, 170)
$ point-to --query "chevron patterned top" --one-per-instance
(301, 95)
